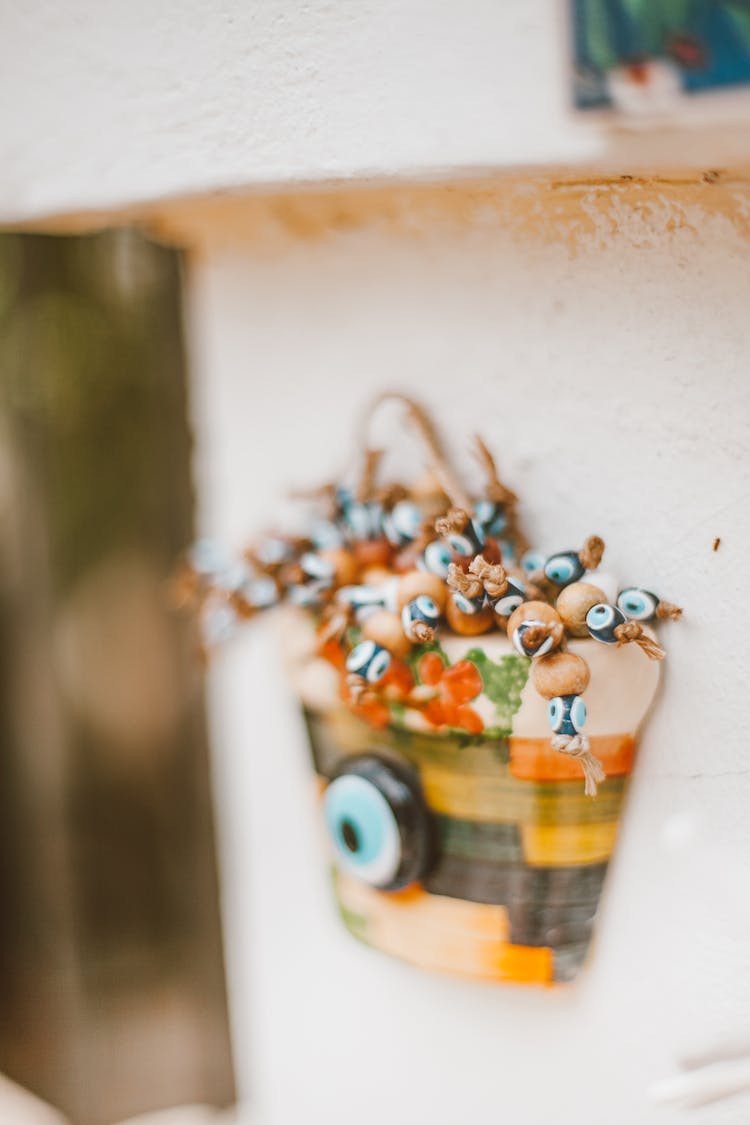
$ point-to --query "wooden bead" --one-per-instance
(386, 630)
(469, 624)
(418, 582)
(373, 552)
(375, 575)
(573, 604)
(344, 565)
(545, 615)
(560, 673)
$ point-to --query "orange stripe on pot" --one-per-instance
(533, 759)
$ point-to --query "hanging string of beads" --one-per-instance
(385, 569)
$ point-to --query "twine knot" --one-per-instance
(464, 583)
(453, 521)
(578, 746)
(666, 610)
(633, 632)
(492, 576)
(591, 552)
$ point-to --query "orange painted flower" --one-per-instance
(365, 704)
(371, 704)
(455, 687)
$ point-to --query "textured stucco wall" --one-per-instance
(108, 104)
(607, 366)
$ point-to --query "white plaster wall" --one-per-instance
(111, 103)
(612, 380)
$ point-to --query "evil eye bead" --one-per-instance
(326, 535)
(467, 605)
(437, 558)
(317, 576)
(362, 600)
(403, 523)
(567, 714)
(378, 824)
(274, 552)
(532, 562)
(369, 660)
(491, 516)
(207, 558)
(521, 642)
(507, 551)
(468, 542)
(564, 568)
(514, 595)
(317, 569)
(261, 593)
(577, 713)
(363, 520)
(602, 620)
(637, 604)
(422, 608)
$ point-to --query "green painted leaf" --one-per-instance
(503, 682)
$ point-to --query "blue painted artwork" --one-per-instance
(630, 49)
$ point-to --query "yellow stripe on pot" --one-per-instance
(561, 845)
(500, 798)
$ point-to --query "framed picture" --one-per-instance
(645, 57)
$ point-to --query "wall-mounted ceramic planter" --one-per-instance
(461, 841)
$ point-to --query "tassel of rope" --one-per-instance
(577, 746)
(419, 632)
(632, 632)
(666, 610)
(453, 521)
(591, 552)
(491, 575)
(467, 584)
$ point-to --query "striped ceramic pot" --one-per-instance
(460, 840)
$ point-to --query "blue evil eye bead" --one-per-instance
(514, 595)
(468, 605)
(637, 604)
(567, 714)
(317, 577)
(468, 542)
(208, 559)
(274, 552)
(491, 517)
(532, 562)
(403, 523)
(436, 558)
(564, 568)
(422, 608)
(326, 535)
(369, 660)
(522, 644)
(362, 520)
(362, 600)
(602, 620)
(261, 592)
(507, 551)
(378, 823)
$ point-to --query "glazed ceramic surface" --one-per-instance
(517, 853)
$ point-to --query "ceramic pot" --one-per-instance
(461, 842)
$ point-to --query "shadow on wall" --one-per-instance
(111, 975)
